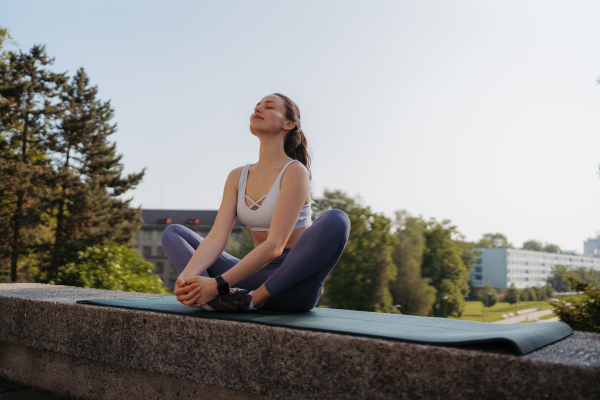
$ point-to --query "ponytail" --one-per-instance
(295, 144)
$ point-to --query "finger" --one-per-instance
(189, 295)
(192, 301)
(184, 290)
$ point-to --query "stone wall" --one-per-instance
(100, 353)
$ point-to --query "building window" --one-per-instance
(147, 251)
(172, 284)
(173, 269)
(478, 269)
(147, 234)
(160, 252)
(159, 267)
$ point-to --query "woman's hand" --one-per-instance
(209, 289)
(187, 294)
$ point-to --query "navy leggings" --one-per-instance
(295, 278)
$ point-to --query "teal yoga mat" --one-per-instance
(525, 338)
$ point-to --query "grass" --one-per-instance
(474, 310)
(548, 316)
(577, 297)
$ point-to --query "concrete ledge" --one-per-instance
(156, 349)
(80, 378)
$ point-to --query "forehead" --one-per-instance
(270, 100)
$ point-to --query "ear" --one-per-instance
(289, 125)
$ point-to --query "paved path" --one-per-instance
(549, 319)
(525, 317)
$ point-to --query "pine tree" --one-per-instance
(87, 206)
(27, 113)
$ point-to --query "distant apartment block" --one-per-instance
(524, 268)
(147, 240)
(591, 247)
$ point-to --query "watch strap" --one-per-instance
(222, 285)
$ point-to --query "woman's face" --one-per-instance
(269, 116)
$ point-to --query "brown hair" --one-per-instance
(295, 145)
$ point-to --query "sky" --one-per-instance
(485, 113)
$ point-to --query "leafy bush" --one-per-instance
(511, 296)
(110, 267)
(580, 315)
(488, 295)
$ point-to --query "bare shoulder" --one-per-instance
(296, 172)
(234, 175)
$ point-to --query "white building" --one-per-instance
(524, 268)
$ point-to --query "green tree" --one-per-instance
(580, 315)
(494, 241)
(549, 291)
(112, 268)
(543, 292)
(86, 206)
(61, 180)
(469, 255)
(443, 264)
(533, 245)
(4, 38)
(552, 248)
(588, 275)
(556, 278)
(488, 295)
(536, 245)
(524, 295)
(511, 295)
(410, 290)
(360, 280)
(27, 114)
(532, 294)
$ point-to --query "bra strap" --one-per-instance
(243, 179)
(283, 170)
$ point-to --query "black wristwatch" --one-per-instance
(222, 285)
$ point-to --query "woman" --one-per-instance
(287, 268)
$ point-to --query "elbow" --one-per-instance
(273, 248)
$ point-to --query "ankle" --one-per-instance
(256, 302)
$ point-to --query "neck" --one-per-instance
(271, 151)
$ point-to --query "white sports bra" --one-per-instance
(260, 218)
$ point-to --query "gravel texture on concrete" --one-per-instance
(15, 391)
(286, 363)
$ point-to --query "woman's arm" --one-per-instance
(295, 188)
(213, 245)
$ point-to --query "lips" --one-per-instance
(256, 117)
